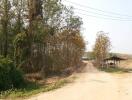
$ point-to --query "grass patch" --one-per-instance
(31, 89)
(115, 70)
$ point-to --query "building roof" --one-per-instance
(115, 58)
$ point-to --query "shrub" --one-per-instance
(10, 76)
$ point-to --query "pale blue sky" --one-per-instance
(120, 32)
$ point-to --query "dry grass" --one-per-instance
(126, 63)
(36, 84)
(35, 88)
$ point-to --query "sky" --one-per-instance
(117, 23)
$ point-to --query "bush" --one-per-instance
(10, 76)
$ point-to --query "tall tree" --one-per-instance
(102, 47)
(34, 15)
(19, 8)
(5, 22)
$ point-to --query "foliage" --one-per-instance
(10, 77)
(40, 35)
(102, 47)
(20, 49)
(20, 40)
(32, 89)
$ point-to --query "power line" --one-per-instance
(101, 14)
(101, 17)
(108, 12)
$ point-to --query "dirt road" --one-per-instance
(93, 85)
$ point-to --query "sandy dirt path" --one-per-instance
(93, 85)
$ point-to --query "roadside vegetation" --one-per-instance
(37, 36)
(115, 70)
(33, 88)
